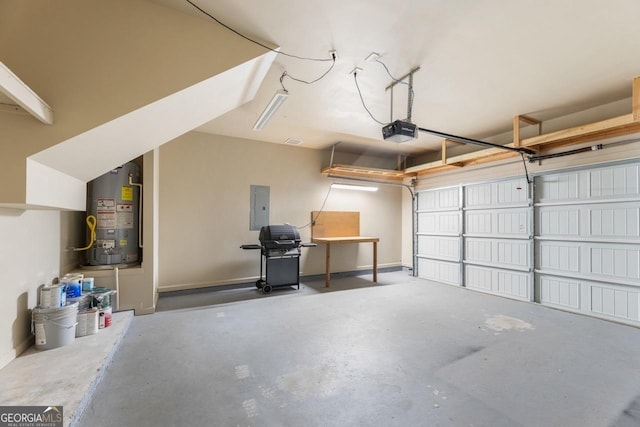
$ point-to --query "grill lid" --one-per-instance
(279, 236)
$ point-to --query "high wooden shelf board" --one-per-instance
(365, 173)
(627, 124)
(617, 126)
(605, 129)
(457, 162)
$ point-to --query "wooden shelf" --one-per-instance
(618, 126)
(365, 173)
(627, 124)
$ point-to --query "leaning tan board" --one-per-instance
(335, 224)
(339, 227)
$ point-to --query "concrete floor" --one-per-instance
(405, 352)
(65, 376)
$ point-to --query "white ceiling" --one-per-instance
(482, 62)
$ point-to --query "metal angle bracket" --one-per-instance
(402, 79)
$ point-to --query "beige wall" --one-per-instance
(93, 60)
(30, 256)
(110, 70)
(204, 210)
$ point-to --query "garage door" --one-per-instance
(587, 241)
(439, 235)
(498, 238)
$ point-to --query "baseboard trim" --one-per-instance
(17, 351)
(251, 281)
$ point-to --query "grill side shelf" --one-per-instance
(250, 247)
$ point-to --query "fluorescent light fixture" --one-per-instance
(354, 187)
(277, 100)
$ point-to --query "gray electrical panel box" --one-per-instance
(259, 215)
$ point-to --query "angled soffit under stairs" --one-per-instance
(120, 84)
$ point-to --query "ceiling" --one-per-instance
(482, 62)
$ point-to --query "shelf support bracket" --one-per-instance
(517, 120)
(636, 99)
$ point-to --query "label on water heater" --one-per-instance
(106, 220)
(125, 216)
(126, 193)
(105, 204)
(106, 244)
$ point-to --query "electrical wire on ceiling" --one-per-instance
(332, 57)
(464, 140)
(520, 150)
(285, 74)
(255, 41)
(412, 97)
(532, 155)
(355, 78)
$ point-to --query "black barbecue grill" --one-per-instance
(280, 251)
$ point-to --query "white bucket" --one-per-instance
(87, 322)
(84, 302)
(54, 327)
(53, 296)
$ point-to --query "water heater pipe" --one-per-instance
(140, 245)
(91, 224)
(116, 272)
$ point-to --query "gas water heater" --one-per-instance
(113, 199)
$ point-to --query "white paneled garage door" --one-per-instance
(439, 235)
(498, 238)
(587, 241)
(586, 229)
(482, 240)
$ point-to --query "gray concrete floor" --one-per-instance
(64, 376)
(405, 352)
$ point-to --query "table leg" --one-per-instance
(375, 261)
(327, 278)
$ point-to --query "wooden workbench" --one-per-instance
(333, 228)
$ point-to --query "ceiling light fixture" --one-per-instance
(273, 106)
(353, 187)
